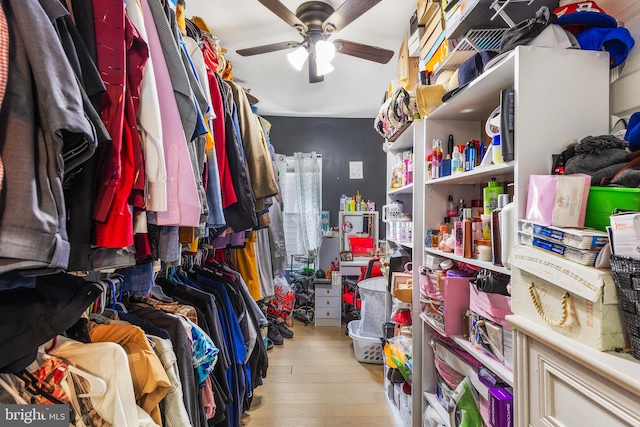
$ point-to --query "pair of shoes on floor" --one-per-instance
(273, 334)
(277, 331)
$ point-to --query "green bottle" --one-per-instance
(490, 194)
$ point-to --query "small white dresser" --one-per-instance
(328, 305)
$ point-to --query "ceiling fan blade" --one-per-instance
(257, 50)
(348, 12)
(363, 51)
(313, 71)
(285, 14)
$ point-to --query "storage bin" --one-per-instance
(372, 311)
(602, 201)
(577, 301)
(626, 273)
(360, 245)
(444, 302)
(494, 307)
(367, 350)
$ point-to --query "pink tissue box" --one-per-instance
(559, 200)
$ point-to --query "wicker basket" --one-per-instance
(626, 274)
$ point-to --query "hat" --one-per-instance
(429, 97)
(470, 70)
(617, 41)
(526, 30)
(552, 35)
(633, 132)
(580, 15)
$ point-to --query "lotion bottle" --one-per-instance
(507, 232)
(467, 233)
(496, 235)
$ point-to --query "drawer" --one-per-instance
(564, 394)
(327, 291)
(323, 312)
(327, 302)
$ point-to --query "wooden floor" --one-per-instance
(314, 380)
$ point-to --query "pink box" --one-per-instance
(494, 307)
(559, 200)
(500, 408)
(453, 293)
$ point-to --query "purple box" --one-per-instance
(500, 408)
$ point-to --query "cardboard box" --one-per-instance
(590, 312)
(432, 32)
(408, 67)
(402, 286)
(425, 10)
(414, 41)
(500, 408)
(434, 58)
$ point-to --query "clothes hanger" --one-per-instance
(158, 293)
(12, 390)
(97, 386)
(31, 385)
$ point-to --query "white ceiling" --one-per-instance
(354, 89)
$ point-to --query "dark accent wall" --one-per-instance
(339, 141)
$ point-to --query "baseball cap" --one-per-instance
(470, 70)
(577, 16)
(617, 41)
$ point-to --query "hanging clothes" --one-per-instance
(150, 124)
(149, 379)
(42, 107)
(182, 195)
(258, 159)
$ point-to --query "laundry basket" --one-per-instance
(372, 312)
(367, 350)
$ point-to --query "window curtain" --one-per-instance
(307, 167)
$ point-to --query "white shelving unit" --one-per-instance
(410, 138)
(471, 261)
(549, 112)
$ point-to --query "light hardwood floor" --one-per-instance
(314, 380)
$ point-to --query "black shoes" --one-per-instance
(273, 334)
(284, 331)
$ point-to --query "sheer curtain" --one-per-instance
(308, 181)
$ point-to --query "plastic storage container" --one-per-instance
(367, 350)
(360, 245)
(372, 312)
(603, 201)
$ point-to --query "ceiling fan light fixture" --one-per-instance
(323, 67)
(325, 51)
(298, 57)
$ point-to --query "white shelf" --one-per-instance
(480, 175)
(402, 139)
(471, 261)
(395, 412)
(487, 360)
(407, 189)
(401, 243)
(433, 401)
(481, 97)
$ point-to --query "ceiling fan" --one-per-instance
(316, 21)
